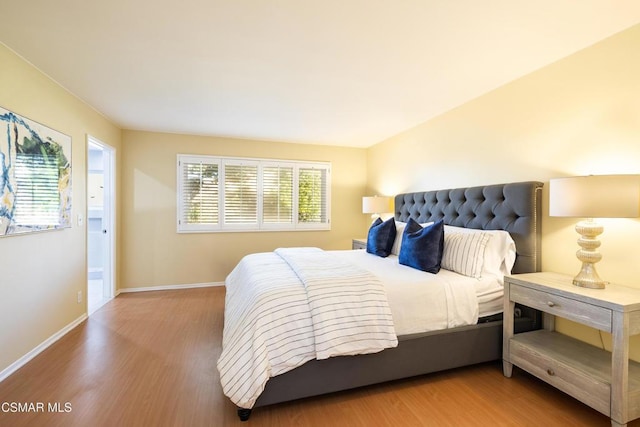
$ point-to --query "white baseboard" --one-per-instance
(169, 287)
(40, 348)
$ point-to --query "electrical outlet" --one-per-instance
(79, 297)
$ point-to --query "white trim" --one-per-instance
(170, 287)
(109, 215)
(40, 348)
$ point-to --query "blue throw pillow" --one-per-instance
(422, 247)
(381, 237)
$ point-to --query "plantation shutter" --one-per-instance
(277, 189)
(240, 193)
(199, 194)
(37, 190)
(225, 194)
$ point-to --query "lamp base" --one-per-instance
(588, 276)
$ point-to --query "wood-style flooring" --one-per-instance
(149, 359)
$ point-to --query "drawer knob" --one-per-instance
(550, 372)
(551, 304)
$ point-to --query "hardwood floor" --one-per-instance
(149, 359)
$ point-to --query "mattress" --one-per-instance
(410, 291)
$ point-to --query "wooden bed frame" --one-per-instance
(513, 207)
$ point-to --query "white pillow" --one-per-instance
(395, 249)
(497, 256)
(464, 252)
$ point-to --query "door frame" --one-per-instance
(109, 209)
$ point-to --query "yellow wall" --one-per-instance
(154, 254)
(578, 116)
(40, 274)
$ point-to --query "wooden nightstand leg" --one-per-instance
(548, 322)
(620, 369)
(507, 368)
(507, 332)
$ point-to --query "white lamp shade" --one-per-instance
(595, 196)
(376, 204)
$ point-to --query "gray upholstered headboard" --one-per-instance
(513, 207)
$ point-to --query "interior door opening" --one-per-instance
(100, 236)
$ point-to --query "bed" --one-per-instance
(513, 207)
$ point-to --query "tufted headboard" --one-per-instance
(513, 207)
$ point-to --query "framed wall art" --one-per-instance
(35, 176)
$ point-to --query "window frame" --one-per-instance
(277, 226)
(260, 225)
(222, 180)
(194, 227)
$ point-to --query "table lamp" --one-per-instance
(593, 196)
(376, 205)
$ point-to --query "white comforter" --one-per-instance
(421, 301)
(293, 305)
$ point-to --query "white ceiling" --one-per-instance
(340, 72)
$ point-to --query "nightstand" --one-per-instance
(608, 382)
(359, 244)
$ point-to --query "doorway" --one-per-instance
(100, 221)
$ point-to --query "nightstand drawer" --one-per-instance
(578, 311)
(574, 382)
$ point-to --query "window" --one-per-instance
(277, 187)
(233, 194)
(240, 194)
(198, 194)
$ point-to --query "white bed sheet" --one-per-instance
(410, 292)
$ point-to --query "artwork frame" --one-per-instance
(35, 176)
